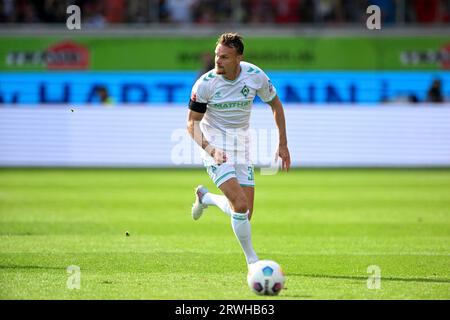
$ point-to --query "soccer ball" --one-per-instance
(265, 277)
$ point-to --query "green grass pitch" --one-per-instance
(324, 226)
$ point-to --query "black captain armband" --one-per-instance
(197, 106)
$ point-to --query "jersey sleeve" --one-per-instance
(267, 91)
(199, 96)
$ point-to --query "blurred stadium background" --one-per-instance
(354, 97)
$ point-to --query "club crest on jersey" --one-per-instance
(245, 90)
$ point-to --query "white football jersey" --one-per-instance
(227, 118)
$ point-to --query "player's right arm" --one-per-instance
(198, 104)
(193, 127)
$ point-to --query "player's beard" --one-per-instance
(220, 70)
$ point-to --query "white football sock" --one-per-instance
(218, 201)
(242, 230)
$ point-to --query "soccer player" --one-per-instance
(218, 121)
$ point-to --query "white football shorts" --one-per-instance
(244, 173)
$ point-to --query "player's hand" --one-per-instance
(283, 153)
(219, 156)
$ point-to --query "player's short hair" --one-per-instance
(232, 40)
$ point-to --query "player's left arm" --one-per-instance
(283, 151)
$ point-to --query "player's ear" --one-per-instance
(240, 57)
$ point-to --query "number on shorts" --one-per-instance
(250, 173)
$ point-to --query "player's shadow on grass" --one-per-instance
(287, 295)
(365, 278)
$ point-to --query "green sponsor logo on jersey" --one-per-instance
(229, 105)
